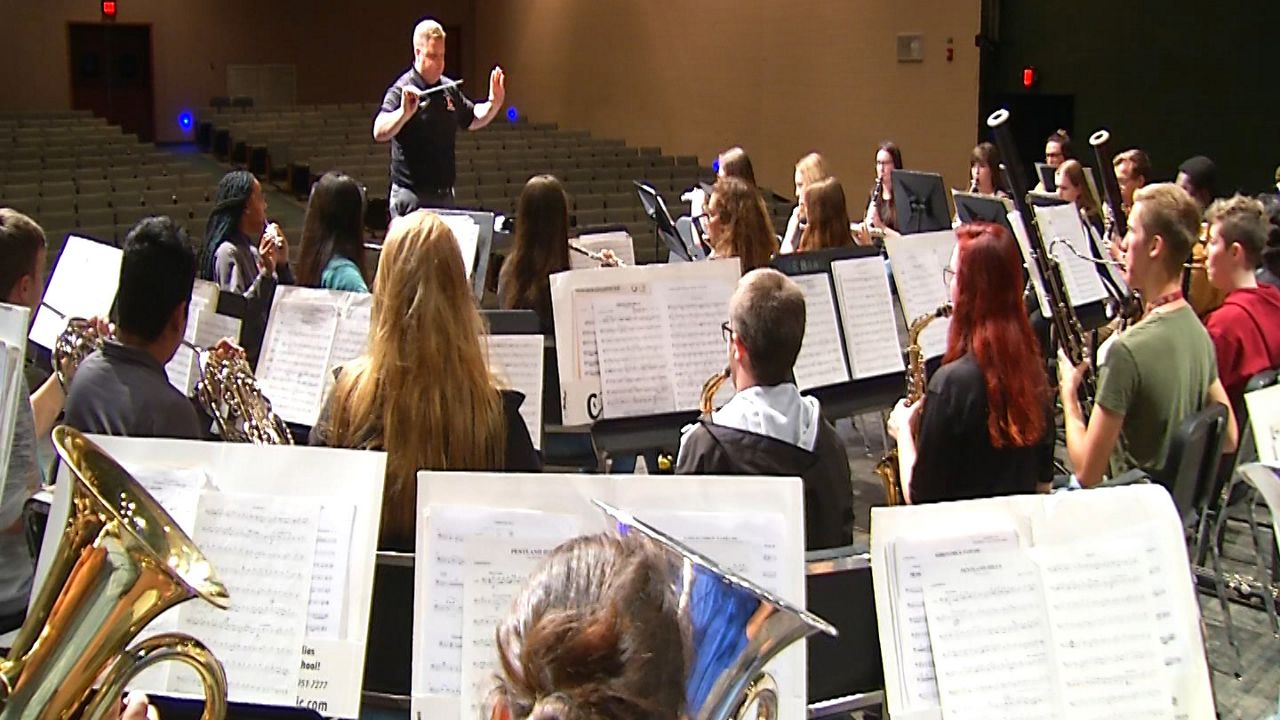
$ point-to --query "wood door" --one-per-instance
(111, 74)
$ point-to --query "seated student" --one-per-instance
(332, 253)
(735, 163)
(810, 169)
(1246, 329)
(122, 389)
(232, 257)
(828, 217)
(1158, 371)
(540, 249)
(769, 428)
(596, 632)
(424, 393)
(985, 426)
(882, 210)
(736, 224)
(1074, 188)
(985, 176)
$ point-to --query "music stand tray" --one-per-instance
(975, 207)
(656, 210)
(1048, 177)
(921, 200)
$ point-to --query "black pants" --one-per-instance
(405, 201)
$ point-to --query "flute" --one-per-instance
(610, 261)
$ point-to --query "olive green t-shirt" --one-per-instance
(1155, 374)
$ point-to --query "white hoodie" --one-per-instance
(777, 411)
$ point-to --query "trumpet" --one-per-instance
(121, 562)
(609, 260)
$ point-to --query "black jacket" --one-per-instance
(714, 449)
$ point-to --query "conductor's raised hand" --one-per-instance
(497, 86)
(409, 101)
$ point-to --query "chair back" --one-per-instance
(844, 669)
(1192, 462)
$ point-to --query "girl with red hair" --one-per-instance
(985, 425)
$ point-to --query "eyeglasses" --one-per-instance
(704, 221)
(726, 332)
(948, 276)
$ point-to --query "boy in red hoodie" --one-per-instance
(1246, 329)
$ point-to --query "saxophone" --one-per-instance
(887, 468)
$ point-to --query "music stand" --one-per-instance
(656, 209)
(921, 200)
(973, 207)
(1048, 176)
(1044, 199)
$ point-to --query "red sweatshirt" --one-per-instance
(1246, 336)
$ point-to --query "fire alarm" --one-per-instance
(109, 9)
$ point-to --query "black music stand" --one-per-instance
(974, 207)
(656, 209)
(921, 201)
(189, 709)
(845, 672)
(512, 322)
(1048, 177)
(484, 244)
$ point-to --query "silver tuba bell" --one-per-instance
(736, 629)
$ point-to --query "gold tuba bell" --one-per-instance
(887, 468)
(121, 562)
(736, 629)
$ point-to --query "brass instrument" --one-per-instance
(77, 341)
(229, 393)
(721, 685)
(609, 260)
(122, 561)
(887, 468)
(1203, 296)
(707, 404)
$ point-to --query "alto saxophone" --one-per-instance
(887, 468)
(707, 404)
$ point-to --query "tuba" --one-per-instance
(121, 562)
(887, 468)
(726, 678)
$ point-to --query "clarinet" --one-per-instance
(1066, 325)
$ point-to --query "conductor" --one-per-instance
(421, 124)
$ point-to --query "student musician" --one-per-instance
(1246, 329)
(810, 169)
(736, 224)
(769, 428)
(242, 252)
(732, 163)
(332, 253)
(540, 250)
(882, 212)
(1199, 177)
(1057, 150)
(985, 176)
(1133, 170)
(424, 393)
(1269, 273)
(827, 224)
(1074, 188)
(1158, 371)
(122, 389)
(596, 632)
(985, 426)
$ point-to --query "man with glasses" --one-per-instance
(769, 428)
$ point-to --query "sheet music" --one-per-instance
(204, 329)
(204, 295)
(496, 570)
(912, 637)
(821, 360)
(439, 621)
(517, 361)
(584, 323)
(295, 359)
(921, 287)
(1081, 276)
(1103, 623)
(83, 285)
(326, 604)
(1028, 259)
(746, 544)
(467, 233)
(13, 347)
(991, 646)
(635, 372)
(257, 544)
(695, 311)
(620, 243)
(351, 339)
(1264, 420)
(866, 308)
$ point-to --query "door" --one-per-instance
(1032, 118)
(111, 74)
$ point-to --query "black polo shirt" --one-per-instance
(422, 157)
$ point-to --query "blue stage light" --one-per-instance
(185, 121)
(512, 114)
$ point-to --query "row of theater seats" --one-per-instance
(74, 172)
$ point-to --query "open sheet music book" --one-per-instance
(618, 241)
(14, 320)
(309, 332)
(642, 340)
(517, 362)
(1083, 284)
(204, 329)
(1071, 605)
(291, 532)
(479, 535)
(83, 285)
(1264, 420)
(918, 261)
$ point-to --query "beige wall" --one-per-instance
(344, 52)
(779, 78)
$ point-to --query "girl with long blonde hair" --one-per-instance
(423, 392)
